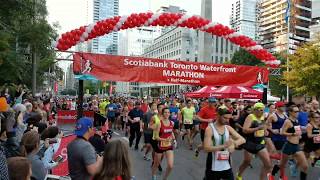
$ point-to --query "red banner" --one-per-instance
(70, 116)
(140, 69)
(62, 168)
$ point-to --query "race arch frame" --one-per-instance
(117, 23)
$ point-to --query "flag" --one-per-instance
(288, 11)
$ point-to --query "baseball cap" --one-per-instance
(4, 106)
(212, 100)
(83, 126)
(279, 104)
(258, 106)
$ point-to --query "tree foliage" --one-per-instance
(303, 76)
(23, 30)
(242, 57)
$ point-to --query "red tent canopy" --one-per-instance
(236, 92)
(203, 92)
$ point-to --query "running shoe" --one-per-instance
(270, 176)
(283, 178)
(154, 177)
(160, 168)
(238, 177)
(146, 158)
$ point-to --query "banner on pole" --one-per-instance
(70, 116)
(140, 69)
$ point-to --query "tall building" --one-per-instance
(182, 44)
(70, 80)
(205, 39)
(243, 17)
(273, 29)
(103, 9)
(132, 42)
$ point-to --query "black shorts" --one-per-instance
(290, 148)
(154, 144)
(176, 124)
(196, 122)
(219, 175)
(117, 114)
(188, 126)
(202, 132)
(147, 137)
(279, 144)
(252, 147)
(111, 119)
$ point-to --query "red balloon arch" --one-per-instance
(117, 23)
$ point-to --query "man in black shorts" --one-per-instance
(147, 131)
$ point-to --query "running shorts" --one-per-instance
(188, 126)
(290, 148)
(252, 147)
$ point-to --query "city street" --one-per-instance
(187, 167)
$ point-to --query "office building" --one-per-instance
(132, 42)
(103, 9)
(243, 17)
(182, 44)
(273, 29)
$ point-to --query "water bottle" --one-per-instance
(293, 168)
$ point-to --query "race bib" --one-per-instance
(136, 118)
(222, 155)
(166, 143)
(316, 139)
(297, 129)
(187, 121)
(110, 108)
(174, 116)
(259, 133)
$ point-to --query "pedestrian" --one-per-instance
(147, 130)
(116, 162)
(219, 142)
(83, 160)
(292, 130)
(136, 125)
(30, 146)
(166, 143)
(19, 168)
(254, 127)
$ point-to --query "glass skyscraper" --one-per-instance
(103, 9)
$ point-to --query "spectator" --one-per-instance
(30, 144)
(116, 162)
(20, 110)
(53, 135)
(27, 115)
(82, 158)
(3, 165)
(19, 168)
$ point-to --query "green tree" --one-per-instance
(243, 57)
(304, 65)
(24, 29)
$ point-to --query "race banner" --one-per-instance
(70, 116)
(62, 168)
(140, 69)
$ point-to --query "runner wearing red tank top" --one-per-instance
(166, 142)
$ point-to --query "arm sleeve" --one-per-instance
(89, 155)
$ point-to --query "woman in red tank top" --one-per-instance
(166, 141)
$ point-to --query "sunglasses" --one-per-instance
(295, 111)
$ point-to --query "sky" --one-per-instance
(71, 14)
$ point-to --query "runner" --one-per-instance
(220, 140)
(111, 114)
(166, 142)
(174, 111)
(206, 115)
(275, 123)
(292, 130)
(147, 130)
(136, 125)
(188, 114)
(254, 128)
(196, 121)
(313, 142)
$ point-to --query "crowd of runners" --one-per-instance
(275, 133)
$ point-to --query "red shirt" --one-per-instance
(207, 113)
(144, 107)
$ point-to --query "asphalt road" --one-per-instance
(187, 167)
